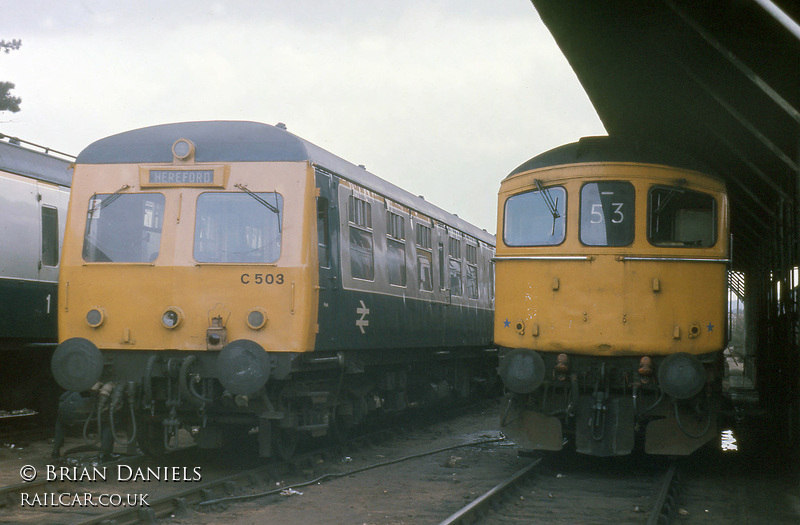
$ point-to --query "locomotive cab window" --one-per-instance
(238, 227)
(680, 217)
(535, 218)
(607, 213)
(123, 228)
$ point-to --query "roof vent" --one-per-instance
(362, 166)
(280, 125)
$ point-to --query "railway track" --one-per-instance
(613, 493)
(223, 480)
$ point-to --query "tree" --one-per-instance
(9, 102)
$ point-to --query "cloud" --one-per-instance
(442, 98)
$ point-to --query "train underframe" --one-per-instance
(611, 406)
(307, 395)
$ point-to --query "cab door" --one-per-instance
(330, 277)
(52, 206)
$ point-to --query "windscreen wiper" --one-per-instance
(104, 203)
(552, 205)
(271, 207)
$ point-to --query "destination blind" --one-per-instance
(181, 176)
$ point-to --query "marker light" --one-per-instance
(645, 366)
(172, 317)
(95, 317)
(256, 319)
(183, 149)
(562, 363)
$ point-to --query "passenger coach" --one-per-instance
(226, 275)
(34, 192)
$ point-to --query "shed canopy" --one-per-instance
(719, 80)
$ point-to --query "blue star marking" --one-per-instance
(710, 327)
(506, 322)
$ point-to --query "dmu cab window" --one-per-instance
(680, 217)
(238, 227)
(123, 227)
(536, 218)
(607, 213)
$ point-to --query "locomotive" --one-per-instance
(611, 283)
(34, 192)
(227, 275)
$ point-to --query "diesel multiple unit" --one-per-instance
(230, 275)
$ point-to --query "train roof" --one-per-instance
(37, 165)
(611, 149)
(242, 141)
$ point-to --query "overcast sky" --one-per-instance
(443, 98)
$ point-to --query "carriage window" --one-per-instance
(471, 278)
(535, 218)
(442, 283)
(424, 236)
(362, 263)
(680, 217)
(424, 257)
(454, 248)
(396, 248)
(123, 227)
(49, 236)
(238, 228)
(396, 263)
(607, 213)
(323, 233)
(424, 271)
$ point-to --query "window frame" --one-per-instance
(118, 195)
(280, 218)
(714, 210)
(564, 211)
(632, 232)
(359, 217)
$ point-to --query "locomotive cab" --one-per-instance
(611, 300)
